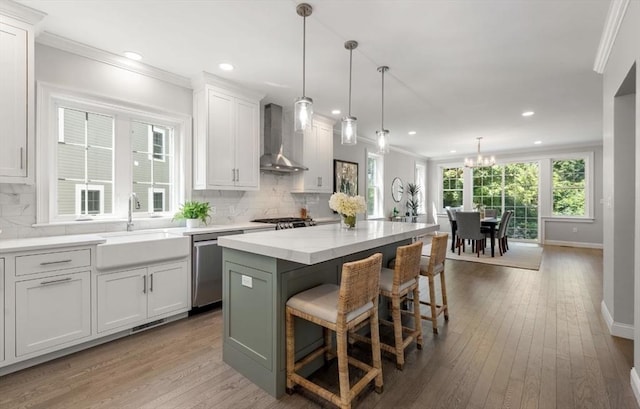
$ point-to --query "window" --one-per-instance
(510, 187)
(152, 167)
(569, 187)
(96, 152)
(157, 141)
(156, 200)
(421, 181)
(375, 186)
(84, 163)
(89, 199)
(452, 184)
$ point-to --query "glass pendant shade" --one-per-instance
(303, 112)
(383, 141)
(350, 123)
(349, 130)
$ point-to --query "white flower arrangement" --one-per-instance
(347, 205)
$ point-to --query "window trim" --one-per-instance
(589, 189)
(49, 97)
(440, 193)
(379, 185)
(83, 187)
(420, 167)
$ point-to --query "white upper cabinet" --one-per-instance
(17, 119)
(226, 143)
(317, 155)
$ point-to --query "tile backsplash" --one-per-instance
(18, 209)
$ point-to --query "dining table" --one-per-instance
(492, 224)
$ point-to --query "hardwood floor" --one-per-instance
(515, 339)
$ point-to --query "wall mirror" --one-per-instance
(397, 188)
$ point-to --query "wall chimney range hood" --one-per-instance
(273, 159)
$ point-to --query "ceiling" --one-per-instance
(458, 69)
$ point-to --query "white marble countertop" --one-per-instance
(316, 244)
(38, 243)
(217, 228)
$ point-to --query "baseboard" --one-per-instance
(573, 244)
(616, 329)
(635, 384)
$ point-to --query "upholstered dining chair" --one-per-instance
(469, 229)
(502, 231)
(451, 214)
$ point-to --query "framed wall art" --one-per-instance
(345, 177)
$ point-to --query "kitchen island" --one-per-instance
(262, 270)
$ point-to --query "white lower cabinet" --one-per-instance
(52, 311)
(122, 299)
(169, 289)
(132, 297)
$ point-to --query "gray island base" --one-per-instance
(262, 270)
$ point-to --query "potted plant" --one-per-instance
(414, 202)
(194, 212)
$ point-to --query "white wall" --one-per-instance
(396, 164)
(589, 232)
(624, 54)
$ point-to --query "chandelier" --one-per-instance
(479, 161)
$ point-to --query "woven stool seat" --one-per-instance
(338, 309)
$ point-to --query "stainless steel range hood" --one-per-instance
(273, 159)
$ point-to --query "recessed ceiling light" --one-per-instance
(528, 113)
(225, 66)
(412, 132)
(336, 112)
(132, 55)
(537, 142)
(452, 151)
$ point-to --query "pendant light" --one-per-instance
(303, 108)
(480, 161)
(350, 123)
(383, 134)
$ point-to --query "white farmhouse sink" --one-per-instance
(124, 249)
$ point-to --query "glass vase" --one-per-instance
(348, 222)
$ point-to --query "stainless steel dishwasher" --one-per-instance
(206, 279)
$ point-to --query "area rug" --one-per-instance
(520, 255)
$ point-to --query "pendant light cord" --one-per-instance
(304, 54)
(350, 68)
(382, 116)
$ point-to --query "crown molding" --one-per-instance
(391, 147)
(616, 13)
(20, 12)
(205, 78)
(115, 60)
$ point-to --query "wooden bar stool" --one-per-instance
(430, 267)
(396, 283)
(338, 309)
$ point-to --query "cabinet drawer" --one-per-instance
(52, 261)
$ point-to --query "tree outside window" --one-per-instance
(569, 194)
(452, 184)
